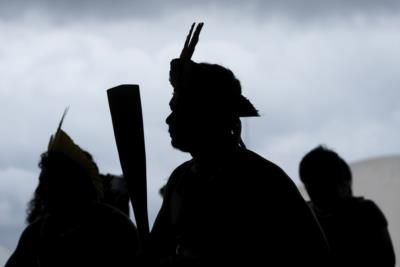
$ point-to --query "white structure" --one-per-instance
(379, 179)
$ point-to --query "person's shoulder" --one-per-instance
(179, 172)
(31, 229)
(26, 250)
(266, 172)
(182, 167)
(262, 165)
(369, 211)
(112, 215)
(31, 233)
(103, 208)
(111, 225)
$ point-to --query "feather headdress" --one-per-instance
(210, 82)
(62, 143)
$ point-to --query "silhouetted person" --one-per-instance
(227, 205)
(355, 227)
(68, 224)
(116, 192)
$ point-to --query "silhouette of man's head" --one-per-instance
(207, 101)
(326, 176)
(206, 105)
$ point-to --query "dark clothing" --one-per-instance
(97, 236)
(244, 211)
(357, 232)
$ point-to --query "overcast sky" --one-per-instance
(318, 71)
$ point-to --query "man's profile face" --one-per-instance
(185, 123)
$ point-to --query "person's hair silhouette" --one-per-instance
(71, 190)
(326, 176)
(227, 205)
(355, 227)
(68, 223)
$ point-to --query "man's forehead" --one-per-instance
(185, 103)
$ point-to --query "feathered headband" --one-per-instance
(60, 142)
(186, 75)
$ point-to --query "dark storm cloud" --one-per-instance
(103, 9)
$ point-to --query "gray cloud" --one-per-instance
(124, 9)
(16, 188)
(331, 83)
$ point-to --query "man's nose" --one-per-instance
(168, 120)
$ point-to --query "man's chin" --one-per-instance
(180, 146)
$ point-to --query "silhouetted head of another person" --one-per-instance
(326, 176)
(116, 192)
(206, 106)
(69, 180)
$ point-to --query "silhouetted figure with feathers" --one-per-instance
(227, 205)
(68, 225)
(355, 227)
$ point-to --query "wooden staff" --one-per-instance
(126, 115)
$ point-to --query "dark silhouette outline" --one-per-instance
(126, 115)
(355, 227)
(227, 205)
(68, 223)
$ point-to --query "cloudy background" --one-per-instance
(318, 71)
